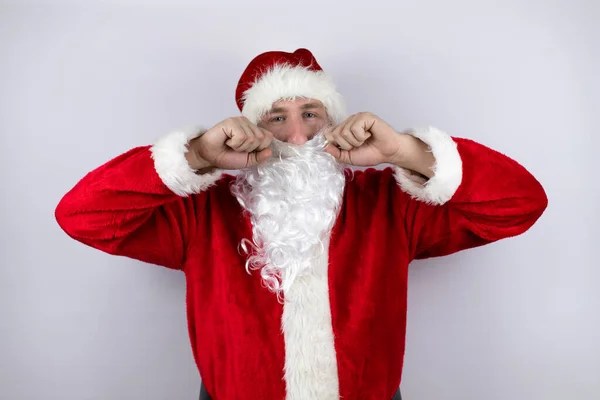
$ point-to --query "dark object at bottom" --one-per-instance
(204, 394)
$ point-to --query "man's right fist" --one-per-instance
(234, 143)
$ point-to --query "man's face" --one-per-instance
(293, 198)
(295, 121)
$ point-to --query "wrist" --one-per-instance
(405, 145)
(414, 154)
(193, 157)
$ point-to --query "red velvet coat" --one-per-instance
(341, 332)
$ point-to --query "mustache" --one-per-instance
(284, 150)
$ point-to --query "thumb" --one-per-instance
(261, 156)
(334, 151)
(342, 156)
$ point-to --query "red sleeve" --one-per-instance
(143, 204)
(476, 196)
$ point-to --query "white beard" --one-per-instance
(293, 202)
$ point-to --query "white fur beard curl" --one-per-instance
(293, 202)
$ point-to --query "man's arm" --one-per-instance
(476, 195)
(450, 193)
(138, 204)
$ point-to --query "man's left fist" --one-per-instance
(364, 140)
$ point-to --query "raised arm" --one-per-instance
(147, 203)
(473, 196)
(142, 204)
(450, 193)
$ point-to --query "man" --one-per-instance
(297, 268)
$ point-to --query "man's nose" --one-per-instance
(297, 139)
(297, 133)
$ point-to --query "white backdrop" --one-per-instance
(518, 320)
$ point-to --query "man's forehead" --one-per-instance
(302, 103)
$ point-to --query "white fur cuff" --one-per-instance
(172, 167)
(448, 169)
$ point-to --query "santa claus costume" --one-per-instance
(325, 316)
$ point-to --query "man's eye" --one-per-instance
(310, 115)
(276, 119)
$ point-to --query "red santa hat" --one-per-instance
(277, 75)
